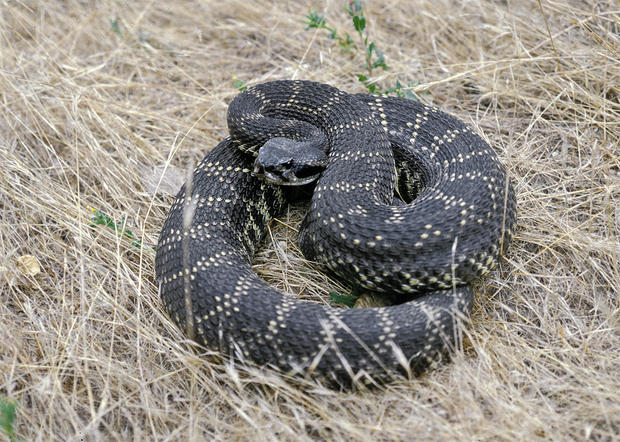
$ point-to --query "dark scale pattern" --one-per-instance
(429, 249)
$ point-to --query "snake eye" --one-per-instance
(279, 166)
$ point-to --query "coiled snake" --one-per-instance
(425, 252)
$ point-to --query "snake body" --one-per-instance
(426, 251)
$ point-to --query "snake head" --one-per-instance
(289, 162)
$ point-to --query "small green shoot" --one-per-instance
(373, 56)
(101, 219)
(240, 84)
(398, 89)
(337, 298)
(7, 417)
(116, 27)
(359, 24)
(317, 21)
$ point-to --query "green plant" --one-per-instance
(116, 27)
(373, 56)
(7, 417)
(239, 84)
(337, 298)
(314, 20)
(102, 219)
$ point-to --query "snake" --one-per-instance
(406, 201)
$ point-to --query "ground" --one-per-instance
(105, 107)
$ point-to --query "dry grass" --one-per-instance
(90, 117)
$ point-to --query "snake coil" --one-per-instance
(425, 252)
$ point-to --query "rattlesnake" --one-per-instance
(425, 252)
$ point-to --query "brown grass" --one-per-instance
(93, 119)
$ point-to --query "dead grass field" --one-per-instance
(109, 104)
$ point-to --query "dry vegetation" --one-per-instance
(109, 106)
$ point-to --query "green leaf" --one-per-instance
(359, 23)
(349, 41)
(369, 48)
(337, 298)
(239, 84)
(410, 95)
(101, 219)
(116, 27)
(314, 20)
(356, 7)
(7, 417)
(380, 62)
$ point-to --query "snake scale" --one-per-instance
(425, 252)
